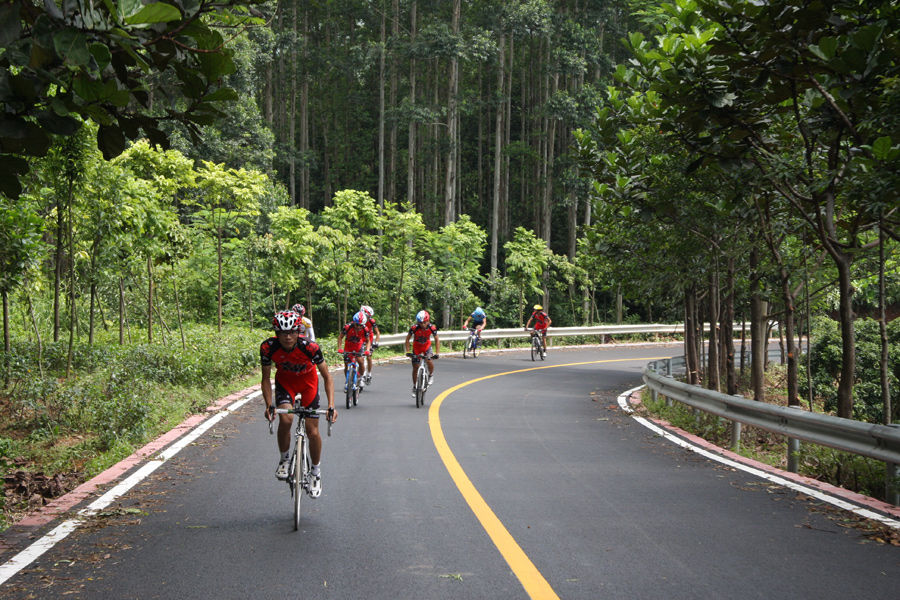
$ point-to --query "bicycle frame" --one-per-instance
(351, 377)
(300, 464)
(421, 379)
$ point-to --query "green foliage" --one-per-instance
(93, 61)
(825, 363)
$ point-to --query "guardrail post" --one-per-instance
(892, 483)
(668, 367)
(793, 450)
(735, 436)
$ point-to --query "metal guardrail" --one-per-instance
(881, 442)
(518, 332)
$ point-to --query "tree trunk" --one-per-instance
(882, 327)
(848, 341)
(149, 299)
(6, 341)
(304, 116)
(727, 331)
(392, 102)
(498, 155)
(452, 123)
(712, 380)
(57, 273)
(413, 122)
(219, 293)
(758, 341)
(73, 311)
(381, 166)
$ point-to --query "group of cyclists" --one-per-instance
(299, 362)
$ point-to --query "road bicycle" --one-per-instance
(299, 475)
(353, 379)
(473, 344)
(537, 345)
(421, 378)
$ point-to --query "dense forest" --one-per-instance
(722, 162)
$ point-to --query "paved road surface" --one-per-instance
(598, 505)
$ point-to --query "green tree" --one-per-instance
(526, 258)
(91, 61)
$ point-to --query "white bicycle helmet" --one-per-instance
(286, 320)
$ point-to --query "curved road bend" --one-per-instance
(597, 505)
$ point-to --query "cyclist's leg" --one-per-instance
(283, 400)
(312, 434)
(361, 361)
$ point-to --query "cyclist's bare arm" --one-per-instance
(328, 382)
(437, 344)
(266, 385)
(406, 343)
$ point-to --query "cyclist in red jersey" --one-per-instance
(421, 334)
(541, 323)
(356, 338)
(374, 334)
(298, 363)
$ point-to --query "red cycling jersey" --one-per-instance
(422, 338)
(354, 337)
(296, 374)
(370, 327)
(540, 319)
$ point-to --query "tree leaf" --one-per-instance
(111, 141)
(156, 12)
(881, 149)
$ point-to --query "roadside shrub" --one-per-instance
(825, 362)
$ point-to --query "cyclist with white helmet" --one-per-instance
(421, 334)
(541, 323)
(306, 326)
(374, 334)
(356, 338)
(298, 363)
(478, 319)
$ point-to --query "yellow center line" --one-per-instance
(531, 579)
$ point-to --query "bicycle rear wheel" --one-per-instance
(476, 348)
(542, 350)
(356, 391)
(297, 478)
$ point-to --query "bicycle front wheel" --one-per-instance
(466, 348)
(420, 388)
(348, 388)
(534, 349)
(298, 475)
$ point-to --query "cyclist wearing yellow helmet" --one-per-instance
(541, 323)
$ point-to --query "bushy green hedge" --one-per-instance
(825, 362)
(113, 391)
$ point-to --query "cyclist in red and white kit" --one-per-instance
(421, 334)
(541, 323)
(356, 339)
(298, 363)
(374, 334)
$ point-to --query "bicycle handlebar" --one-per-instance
(303, 412)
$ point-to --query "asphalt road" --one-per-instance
(599, 506)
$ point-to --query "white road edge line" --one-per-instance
(818, 494)
(35, 550)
